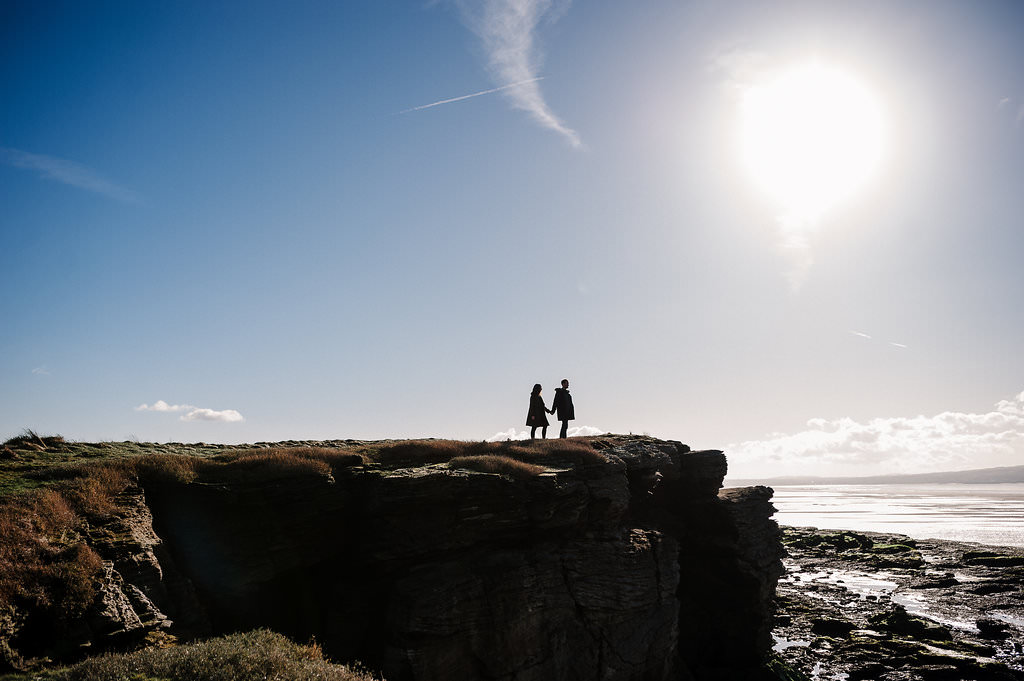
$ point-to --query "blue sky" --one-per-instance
(238, 212)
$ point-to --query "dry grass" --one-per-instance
(496, 463)
(47, 568)
(263, 465)
(575, 451)
(423, 452)
(33, 440)
(166, 468)
(252, 656)
(45, 564)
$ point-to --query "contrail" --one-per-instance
(475, 94)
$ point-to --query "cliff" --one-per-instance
(627, 564)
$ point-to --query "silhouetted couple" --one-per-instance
(537, 416)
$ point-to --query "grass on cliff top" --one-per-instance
(31, 461)
(253, 656)
(56, 493)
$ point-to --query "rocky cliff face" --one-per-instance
(638, 568)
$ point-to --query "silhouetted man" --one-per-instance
(562, 404)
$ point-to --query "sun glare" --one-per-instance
(810, 138)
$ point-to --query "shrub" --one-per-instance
(253, 656)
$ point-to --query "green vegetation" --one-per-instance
(855, 546)
(992, 559)
(776, 669)
(253, 656)
(56, 496)
(30, 461)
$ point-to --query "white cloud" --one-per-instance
(507, 29)
(41, 371)
(574, 431)
(160, 405)
(227, 415)
(193, 413)
(946, 441)
(67, 172)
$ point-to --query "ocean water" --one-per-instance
(986, 514)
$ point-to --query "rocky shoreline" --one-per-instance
(864, 605)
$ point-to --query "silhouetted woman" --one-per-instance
(537, 416)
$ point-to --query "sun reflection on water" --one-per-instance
(987, 514)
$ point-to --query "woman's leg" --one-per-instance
(533, 433)
(544, 432)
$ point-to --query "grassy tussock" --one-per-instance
(282, 461)
(496, 463)
(253, 656)
(576, 451)
(30, 439)
(423, 452)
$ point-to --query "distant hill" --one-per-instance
(977, 476)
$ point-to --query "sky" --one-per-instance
(788, 230)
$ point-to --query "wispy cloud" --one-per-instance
(67, 172)
(513, 434)
(860, 334)
(192, 413)
(475, 94)
(41, 371)
(508, 31)
(844, 446)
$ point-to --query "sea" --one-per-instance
(984, 514)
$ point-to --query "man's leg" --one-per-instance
(565, 429)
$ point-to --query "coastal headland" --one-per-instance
(612, 557)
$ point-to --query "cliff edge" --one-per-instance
(613, 557)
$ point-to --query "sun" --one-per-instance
(810, 137)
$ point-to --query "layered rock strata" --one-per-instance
(636, 568)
